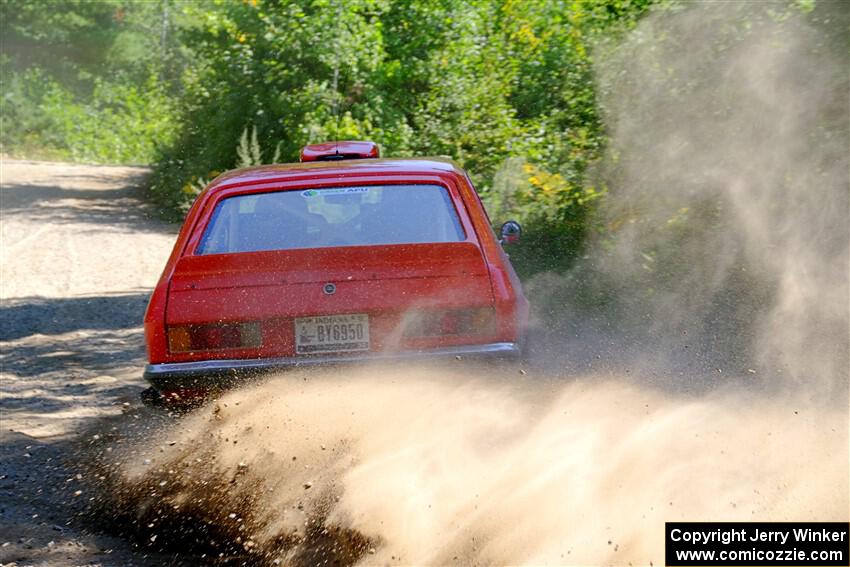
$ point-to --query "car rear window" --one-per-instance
(338, 216)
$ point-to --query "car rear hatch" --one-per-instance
(310, 302)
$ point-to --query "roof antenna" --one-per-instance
(336, 95)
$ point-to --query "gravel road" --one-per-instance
(79, 254)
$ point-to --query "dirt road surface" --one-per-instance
(79, 253)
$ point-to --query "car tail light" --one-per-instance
(480, 321)
(214, 337)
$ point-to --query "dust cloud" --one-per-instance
(730, 197)
(693, 367)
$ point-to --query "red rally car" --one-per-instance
(340, 258)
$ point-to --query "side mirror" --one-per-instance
(510, 232)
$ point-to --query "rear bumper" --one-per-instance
(223, 373)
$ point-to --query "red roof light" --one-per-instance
(339, 150)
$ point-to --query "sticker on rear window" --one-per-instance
(338, 191)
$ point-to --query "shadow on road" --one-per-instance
(51, 346)
(27, 316)
(120, 208)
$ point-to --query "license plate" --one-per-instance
(331, 333)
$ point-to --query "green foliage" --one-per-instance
(120, 123)
(89, 81)
(249, 153)
(484, 82)
(556, 214)
(65, 38)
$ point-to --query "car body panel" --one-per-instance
(273, 287)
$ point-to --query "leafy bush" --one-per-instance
(121, 123)
(556, 214)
